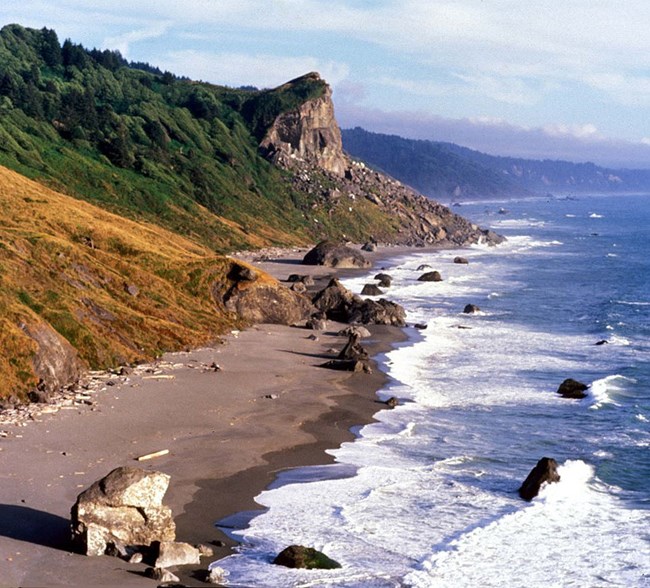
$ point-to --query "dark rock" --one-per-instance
(420, 326)
(346, 365)
(317, 321)
(544, 472)
(371, 290)
(369, 247)
(382, 276)
(336, 301)
(471, 309)
(571, 388)
(161, 575)
(303, 279)
(392, 402)
(362, 332)
(297, 556)
(602, 342)
(242, 273)
(462, 260)
(385, 282)
(433, 276)
(353, 349)
(378, 312)
(123, 507)
(39, 396)
(422, 267)
(332, 254)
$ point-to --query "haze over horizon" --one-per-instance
(551, 80)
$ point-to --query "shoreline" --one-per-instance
(46, 464)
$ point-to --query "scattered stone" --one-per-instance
(116, 549)
(353, 349)
(461, 260)
(317, 321)
(433, 276)
(131, 289)
(392, 402)
(298, 556)
(307, 280)
(313, 337)
(205, 550)
(271, 396)
(175, 553)
(420, 326)
(369, 246)
(215, 367)
(362, 332)
(332, 254)
(161, 575)
(126, 507)
(217, 575)
(136, 558)
(471, 309)
(39, 396)
(218, 543)
(544, 472)
(371, 290)
(571, 388)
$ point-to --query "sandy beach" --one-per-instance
(228, 432)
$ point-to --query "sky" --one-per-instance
(557, 79)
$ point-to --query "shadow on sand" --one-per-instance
(34, 526)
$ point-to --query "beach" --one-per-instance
(228, 432)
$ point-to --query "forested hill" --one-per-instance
(447, 171)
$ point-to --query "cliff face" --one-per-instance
(309, 133)
(307, 141)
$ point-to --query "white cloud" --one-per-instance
(236, 69)
(123, 41)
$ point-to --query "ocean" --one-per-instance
(427, 495)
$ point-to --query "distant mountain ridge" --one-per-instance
(447, 171)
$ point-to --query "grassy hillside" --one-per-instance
(151, 146)
(117, 290)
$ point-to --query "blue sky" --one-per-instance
(554, 79)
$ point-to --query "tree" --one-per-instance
(50, 48)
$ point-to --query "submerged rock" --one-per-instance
(545, 472)
(461, 260)
(433, 276)
(471, 309)
(297, 556)
(571, 388)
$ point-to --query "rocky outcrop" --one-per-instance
(55, 361)
(337, 255)
(545, 472)
(571, 388)
(307, 140)
(339, 304)
(307, 134)
(122, 509)
(259, 298)
(298, 556)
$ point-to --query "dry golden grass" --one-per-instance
(119, 291)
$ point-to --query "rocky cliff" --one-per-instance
(307, 141)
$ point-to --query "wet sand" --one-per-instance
(228, 433)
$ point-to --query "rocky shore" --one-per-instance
(222, 422)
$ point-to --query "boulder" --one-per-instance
(263, 299)
(382, 276)
(371, 290)
(369, 247)
(378, 312)
(298, 287)
(173, 553)
(571, 388)
(545, 472)
(161, 575)
(362, 332)
(125, 507)
(332, 254)
(385, 282)
(317, 321)
(462, 260)
(336, 301)
(303, 279)
(433, 276)
(471, 309)
(298, 556)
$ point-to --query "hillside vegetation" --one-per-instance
(149, 145)
(117, 291)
